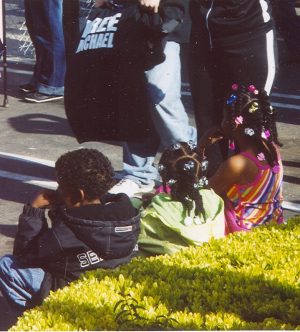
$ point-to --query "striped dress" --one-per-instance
(255, 203)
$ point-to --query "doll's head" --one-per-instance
(85, 171)
(249, 113)
(183, 169)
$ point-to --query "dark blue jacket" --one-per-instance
(73, 241)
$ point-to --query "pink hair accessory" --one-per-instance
(251, 88)
(265, 134)
(261, 157)
(276, 169)
(160, 190)
(231, 145)
(234, 87)
(239, 120)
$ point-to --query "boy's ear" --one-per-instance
(82, 195)
(77, 197)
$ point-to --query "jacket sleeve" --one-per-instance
(32, 222)
(173, 10)
(37, 243)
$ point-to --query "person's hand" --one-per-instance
(99, 3)
(151, 4)
(211, 136)
(45, 198)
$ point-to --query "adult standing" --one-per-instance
(44, 21)
(167, 111)
(231, 42)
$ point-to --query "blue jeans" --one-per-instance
(19, 283)
(44, 21)
(170, 120)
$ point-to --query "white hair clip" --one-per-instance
(204, 165)
(171, 182)
(175, 147)
(160, 167)
(189, 166)
(201, 183)
(249, 131)
(192, 145)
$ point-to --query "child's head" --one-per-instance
(183, 169)
(85, 171)
(248, 112)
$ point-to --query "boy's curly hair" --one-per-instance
(86, 169)
(183, 169)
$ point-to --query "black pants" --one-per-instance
(213, 71)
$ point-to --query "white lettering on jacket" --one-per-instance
(88, 258)
(99, 33)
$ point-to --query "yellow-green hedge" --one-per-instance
(244, 281)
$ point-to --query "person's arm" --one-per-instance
(229, 173)
(172, 12)
(210, 137)
(32, 221)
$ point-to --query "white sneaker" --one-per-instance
(131, 188)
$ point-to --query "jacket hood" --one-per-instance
(110, 229)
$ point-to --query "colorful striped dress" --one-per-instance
(255, 203)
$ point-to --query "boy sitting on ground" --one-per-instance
(89, 229)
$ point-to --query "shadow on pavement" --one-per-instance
(291, 163)
(291, 179)
(9, 230)
(17, 191)
(39, 123)
(289, 116)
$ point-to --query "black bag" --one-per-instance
(105, 88)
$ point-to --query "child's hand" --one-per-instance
(99, 3)
(152, 4)
(211, 136)
(45, 198)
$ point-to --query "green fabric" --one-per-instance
(136, 202)
(162, 224)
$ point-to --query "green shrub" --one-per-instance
(244, 281)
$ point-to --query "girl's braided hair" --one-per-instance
(183, 169)
(252, 108)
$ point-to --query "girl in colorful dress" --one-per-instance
(186, 211)
(250, 181)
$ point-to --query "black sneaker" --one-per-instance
(27, 88)
(38, 97)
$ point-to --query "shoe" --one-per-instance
(131, 188)
(27, 88)
(38, 97)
